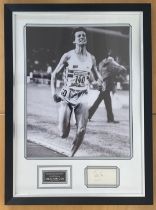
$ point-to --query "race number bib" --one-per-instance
(80, 78)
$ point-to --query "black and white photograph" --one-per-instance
(78, 91)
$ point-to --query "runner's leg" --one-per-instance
(81, 115)
(64, 119)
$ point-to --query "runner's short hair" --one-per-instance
(76, 30)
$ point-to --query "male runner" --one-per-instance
(77, 64)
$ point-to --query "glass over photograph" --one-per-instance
(78, 92)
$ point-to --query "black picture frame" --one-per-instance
(9, 125)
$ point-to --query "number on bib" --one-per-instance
(80, 79)
(64, 92)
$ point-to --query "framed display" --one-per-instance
(78, 104)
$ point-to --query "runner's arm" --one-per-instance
(102, 63)
(96, 74)
(58, 68)
(99, 83)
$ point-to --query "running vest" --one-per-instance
(78, 72)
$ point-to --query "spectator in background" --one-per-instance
(109, 70)
(49, 69)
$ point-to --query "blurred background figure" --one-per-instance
(111, 72)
